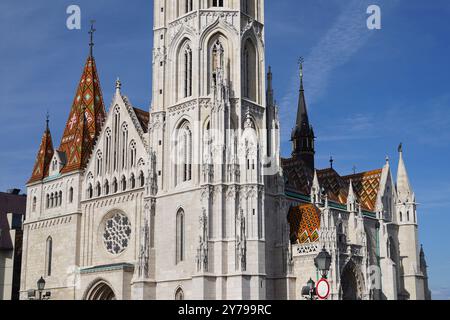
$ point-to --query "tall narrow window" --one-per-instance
(217, 3)
(106, 187)
(48, 201)
(48, 257)
(249, 71)
(124, 144)
(133, 154)
(124, 183)
(116, 139)
(70, 195)
(98, 190)
(60, 199)
(187, 72)
(183, 163)
(179, 294)
(108, 149)
(180, 236)
(90, 192)
(132, 181)
(33, 205)
(115, 185)
(141, 179)
(188, 6)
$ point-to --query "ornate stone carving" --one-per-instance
(202, 250)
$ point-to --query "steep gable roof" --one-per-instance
(366, 186)
(85, 120)
(43, 158)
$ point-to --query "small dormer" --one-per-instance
(57, 163)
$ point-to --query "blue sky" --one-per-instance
(367, 91)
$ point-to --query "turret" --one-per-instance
(303, 134)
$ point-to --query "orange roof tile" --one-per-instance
(43, 158)
(85, 120)
(366, 186)
(304, 222)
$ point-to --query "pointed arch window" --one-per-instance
(60, 199)
(90, 192)
(123, 183)
(133, 154)
(33, 205)
(106, 187)
(48, 201)
(98, 189)
(115, 186)
(48, 256)
(70, 195)
(132, 181)
(124, 144)
(249, 71)
(183, 163)
(98, 164)
(180, 236)
(141, 179)
(187, 66)
(108, 149)
(179, 294)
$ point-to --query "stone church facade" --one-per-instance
(192, 200)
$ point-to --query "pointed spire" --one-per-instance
(351, 199)
(303, 133)
(44, 156)
(270, 96)
(404, 190)
(316, 192)
(85, 119)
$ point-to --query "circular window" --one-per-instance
(117, 233)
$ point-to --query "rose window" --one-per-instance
(116, 236)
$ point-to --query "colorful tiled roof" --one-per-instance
(366, 186)
(43, 158)
(333, 185)
(143, 118)
(304, 222)
(85, 120)
(298, 176)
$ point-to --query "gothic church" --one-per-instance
(192, 200)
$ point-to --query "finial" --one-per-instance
(354, 169)
(118, 84)
(400, 148)
(301, 60)
(331, 162)
(91, 32)
(47, 120)
(387, 159)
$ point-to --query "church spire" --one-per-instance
(270, 96)
(44, 156)
(404, 190)
(303, 133)
(86, 117)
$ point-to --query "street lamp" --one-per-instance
(309, 290)
(40, 289)
(323, 262)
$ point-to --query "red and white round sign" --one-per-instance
(323, 289)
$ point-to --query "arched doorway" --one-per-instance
(100, 291)
(351, 285)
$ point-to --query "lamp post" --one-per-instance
(323, 263)
(40, 290)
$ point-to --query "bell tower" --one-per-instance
(207, 128)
